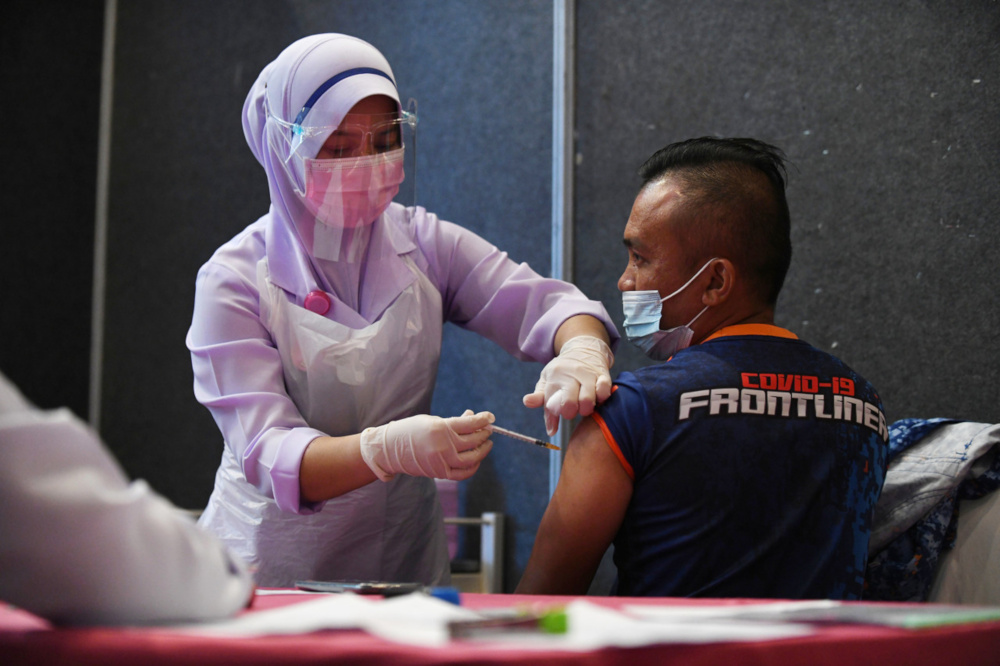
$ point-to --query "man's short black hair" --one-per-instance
(735, 191)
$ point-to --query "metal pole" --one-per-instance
(101, 214)
(563, 47)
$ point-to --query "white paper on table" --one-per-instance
(418, 619)
(909, 616)
(591, 627)
(762, 611)
(414, 618)
(328, 612)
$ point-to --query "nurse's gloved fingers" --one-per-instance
(565, 401)
(537, 397)
(603, 387)
(555, 398)
(473, 456)
(581, 370)
(470, 422)
(422, 445)
(551, 423)
(533, 400)
(553, 403)
(471, 441)
(469, 462)
(587, 399)
(461, 473)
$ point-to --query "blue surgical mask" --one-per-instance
(643, 310)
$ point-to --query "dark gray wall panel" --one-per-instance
(888, 113)
(183, 182)
(51, 73)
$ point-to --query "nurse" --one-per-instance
(317, 331)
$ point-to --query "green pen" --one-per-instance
(552, 621)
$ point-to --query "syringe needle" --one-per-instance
(524, 438)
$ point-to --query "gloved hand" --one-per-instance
(574, 382)
(425, 445)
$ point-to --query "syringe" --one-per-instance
(524, 438)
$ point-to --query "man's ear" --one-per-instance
(722, 278)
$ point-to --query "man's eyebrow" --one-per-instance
(633, 244)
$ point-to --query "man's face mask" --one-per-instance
(643, 311)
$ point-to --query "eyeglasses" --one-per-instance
(359, 134)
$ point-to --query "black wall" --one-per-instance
(888, 113)
(50, 63)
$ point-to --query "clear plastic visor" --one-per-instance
(359, 135)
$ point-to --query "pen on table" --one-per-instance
(553, 621)
(524, 438)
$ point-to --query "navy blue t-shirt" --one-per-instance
(756, 461)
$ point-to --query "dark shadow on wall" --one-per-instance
(51, 55)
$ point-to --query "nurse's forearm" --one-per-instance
(331, 467)
(580, 325)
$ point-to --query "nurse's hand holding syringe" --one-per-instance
(421, 445)
(425, 445)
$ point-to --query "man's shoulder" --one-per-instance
(687, 367)
(741, 351)
(723, 359)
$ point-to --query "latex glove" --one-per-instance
(425, 445)
(574, 382)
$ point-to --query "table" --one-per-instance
(26, 639)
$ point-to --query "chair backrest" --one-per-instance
(970, 572)
(933, 463)
(489, 576)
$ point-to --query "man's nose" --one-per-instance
(626, 282)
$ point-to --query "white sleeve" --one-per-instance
(79, 544)
(11, 399)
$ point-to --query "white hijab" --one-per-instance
(339, 256)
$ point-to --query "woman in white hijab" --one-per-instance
(317, 331)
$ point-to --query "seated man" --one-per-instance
(747, 463)
(79, 544)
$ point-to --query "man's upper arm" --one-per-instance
(582, 518)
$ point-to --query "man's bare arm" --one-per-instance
(581, 520)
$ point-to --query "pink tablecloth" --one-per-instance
(25, 639)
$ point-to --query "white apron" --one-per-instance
(344, 380)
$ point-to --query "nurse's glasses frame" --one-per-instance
(383, 135)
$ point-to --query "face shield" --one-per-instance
(291, 111)
(364, 154)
